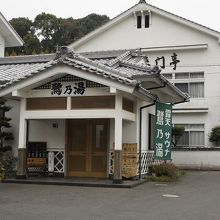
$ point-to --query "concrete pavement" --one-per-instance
(195, 197)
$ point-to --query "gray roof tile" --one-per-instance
(121, 68)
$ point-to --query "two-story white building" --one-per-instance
(188, 54)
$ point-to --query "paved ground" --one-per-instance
(199, 198)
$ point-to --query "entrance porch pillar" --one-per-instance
(117, 176)
(22, 155)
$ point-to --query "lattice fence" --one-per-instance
(58, 161)
(146, 161)
(111, 163)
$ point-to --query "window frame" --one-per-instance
(142, 19)
(189, 88)
(139, 21)
(191, 79)
(189, 129)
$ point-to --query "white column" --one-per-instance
(22, 158)
(69, 103)
(118, 122)
(117, 177)
(22, 125)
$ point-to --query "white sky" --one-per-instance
(201, 11)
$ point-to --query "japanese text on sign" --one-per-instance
(77, 88)
(161, 61)
(163, 129)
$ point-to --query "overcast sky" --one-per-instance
(201, 11)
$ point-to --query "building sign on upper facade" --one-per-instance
(68, 88)
(163, 129)
(161, 61)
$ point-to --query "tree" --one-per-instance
(69, 31)
(47, 32)
(91, 22)
(31, 45)
(22, 25)
(5, 136)
(177, 133)
(214, 136)
(47, 25)
(4, 124)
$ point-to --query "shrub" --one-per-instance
(214, 136)
(177, 133)
(165, 172)
(7, 166)
(2, 173)
(166, 169)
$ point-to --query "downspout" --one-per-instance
(140, 134)
(27, 139)
(27, 134)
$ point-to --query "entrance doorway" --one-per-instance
(87, 146)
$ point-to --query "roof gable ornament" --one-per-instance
(63, 51)
(142, 1)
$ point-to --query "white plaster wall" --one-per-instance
(14, 114)
(128, 132)
(162, 32)
(112, 133)
(203, 160)
(2, 46)
(129, 135)
(42, 130)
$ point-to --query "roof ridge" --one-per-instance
(78, 58)
(183, 18)
(109, 23)
(136, 66)
(119, 58)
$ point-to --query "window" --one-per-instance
(194, 89)
(143, 19)
(194, 136)
(189, 75)
(188, 82)
(139, 21)
(147, 21)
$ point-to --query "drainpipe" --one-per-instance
(27, 134)
(140, 134)
(27, 139)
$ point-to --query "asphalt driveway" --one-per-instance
(195, 196)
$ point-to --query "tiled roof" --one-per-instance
(12, 73)
(119, 68)
(127, 68)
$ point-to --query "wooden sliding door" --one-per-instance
(87, 146)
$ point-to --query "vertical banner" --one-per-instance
(163, 129)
